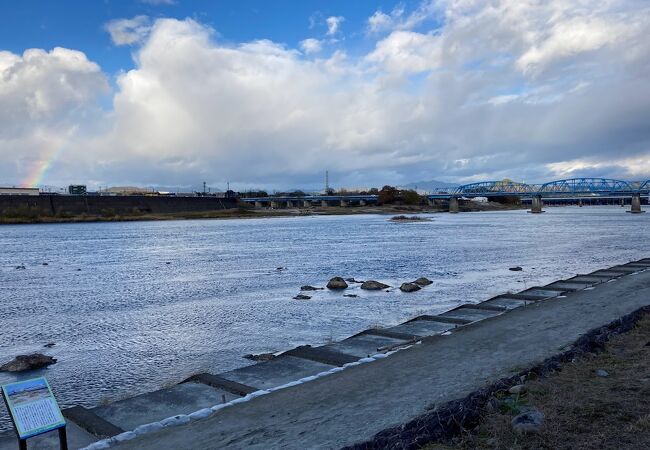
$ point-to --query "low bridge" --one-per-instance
(572, 188)
(578, 189)
(311, 200)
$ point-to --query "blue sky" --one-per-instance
(270, 94)
(80, 24)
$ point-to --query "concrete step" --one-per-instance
(221, 383)
(421, 328)
(184, 398)
(325, 355)
(470, 313)
(387, 332)
(445, 319)
(91, 422)
(77, 438)
(623, 269)
(276, 372)
(507, 302)
(363, 345)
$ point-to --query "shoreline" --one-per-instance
(515, 322)
(249, 213)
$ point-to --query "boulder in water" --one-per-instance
(422, 281)
(337, 283)
(309, 288)
(516, 269)
(372, 285)
(302, 297)
(22, 363)
(260, 356)
(409, 287)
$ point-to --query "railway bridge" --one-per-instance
(578, 189)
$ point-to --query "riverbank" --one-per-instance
(353, 406)
(590, 402)
(250, 213)
(295, 401)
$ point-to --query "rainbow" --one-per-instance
(41, 166)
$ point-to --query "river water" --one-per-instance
(135, 306)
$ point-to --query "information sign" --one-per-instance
(33, 407)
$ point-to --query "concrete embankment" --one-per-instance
(20, 206)
(345, 393)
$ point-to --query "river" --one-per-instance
(134, 306)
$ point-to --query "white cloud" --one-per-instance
(311, 45)
(398, 19)
(570, 38)
(334, 24)
(491, 90)
(379, 21)
(407, 52)
(128, 31)
(46, 99)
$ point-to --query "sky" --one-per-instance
(270, 94)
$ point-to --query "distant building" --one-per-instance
(77, 189)
(18, 191)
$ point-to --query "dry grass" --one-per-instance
(582, 410)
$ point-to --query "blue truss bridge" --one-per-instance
(572, 188)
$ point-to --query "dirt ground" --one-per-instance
(582, 409)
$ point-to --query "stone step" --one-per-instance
(221, 383)
(91, 422)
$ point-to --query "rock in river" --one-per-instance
(409, 287)
(27, 362)
(309, 288)
(516, 269)
(302, 297)
(260, 356)
(337, 283)
(372, 285)
(422, 281)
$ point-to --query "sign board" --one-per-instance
(33, 407)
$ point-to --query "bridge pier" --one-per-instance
(362, 203)
(536, 206)
(344, 203)
(275, 204)
(259, 205)
(324, 203)
(636, 204)
(453, 205)
(306, 203)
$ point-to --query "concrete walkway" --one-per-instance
(353, 405)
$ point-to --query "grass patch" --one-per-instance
(582, 410)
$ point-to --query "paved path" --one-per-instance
(353, 405)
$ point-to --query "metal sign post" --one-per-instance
(34, 410)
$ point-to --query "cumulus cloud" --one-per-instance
(311, 45)
(407, 52)
(45, 100)
(520, 89)
(128, 31)
(334, 24)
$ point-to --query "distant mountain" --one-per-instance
(430, 185)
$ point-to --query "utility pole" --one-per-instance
(327, 182)
(204, 187)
